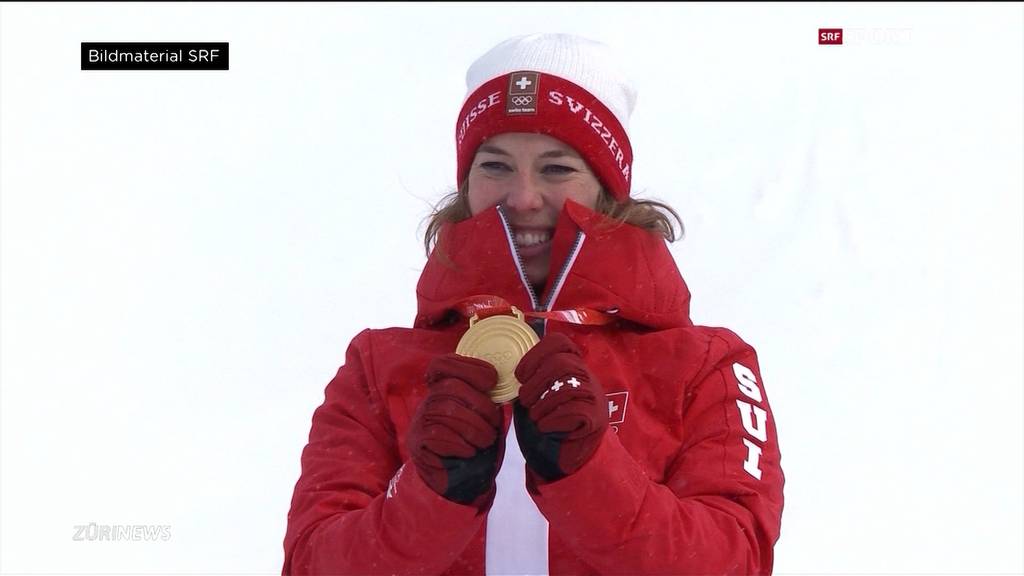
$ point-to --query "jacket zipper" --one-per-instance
(522, 275)
(518, 261)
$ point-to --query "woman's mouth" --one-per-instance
(532, 242)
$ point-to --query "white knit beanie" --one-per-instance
(568, 87)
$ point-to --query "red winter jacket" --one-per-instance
(687, 480)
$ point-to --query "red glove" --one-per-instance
(455, 436)
(561, 413)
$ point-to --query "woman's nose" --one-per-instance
(524, 194)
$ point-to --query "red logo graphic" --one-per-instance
(830, 35)
(617, 407)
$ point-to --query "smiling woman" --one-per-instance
(531, 175)
(586, 426)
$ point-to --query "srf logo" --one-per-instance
(830, 35)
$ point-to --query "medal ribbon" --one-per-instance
(485, 305)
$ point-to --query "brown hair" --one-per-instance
(651, 215)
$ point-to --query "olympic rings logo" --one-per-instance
(522, 100)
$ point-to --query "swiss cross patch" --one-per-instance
(617, 407)
(522, 93)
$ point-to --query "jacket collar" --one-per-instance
(595, 263)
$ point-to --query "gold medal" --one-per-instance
(502, 341)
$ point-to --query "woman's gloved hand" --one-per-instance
(455, 437)
(561, 413)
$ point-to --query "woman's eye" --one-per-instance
(557, 169)
(495, 166)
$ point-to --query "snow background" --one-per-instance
(186, 255)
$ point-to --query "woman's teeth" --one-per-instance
(531, 238)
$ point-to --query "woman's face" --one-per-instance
(530, 175)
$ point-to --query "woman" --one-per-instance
(635, 443)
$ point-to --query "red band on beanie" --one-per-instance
(546, 104)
